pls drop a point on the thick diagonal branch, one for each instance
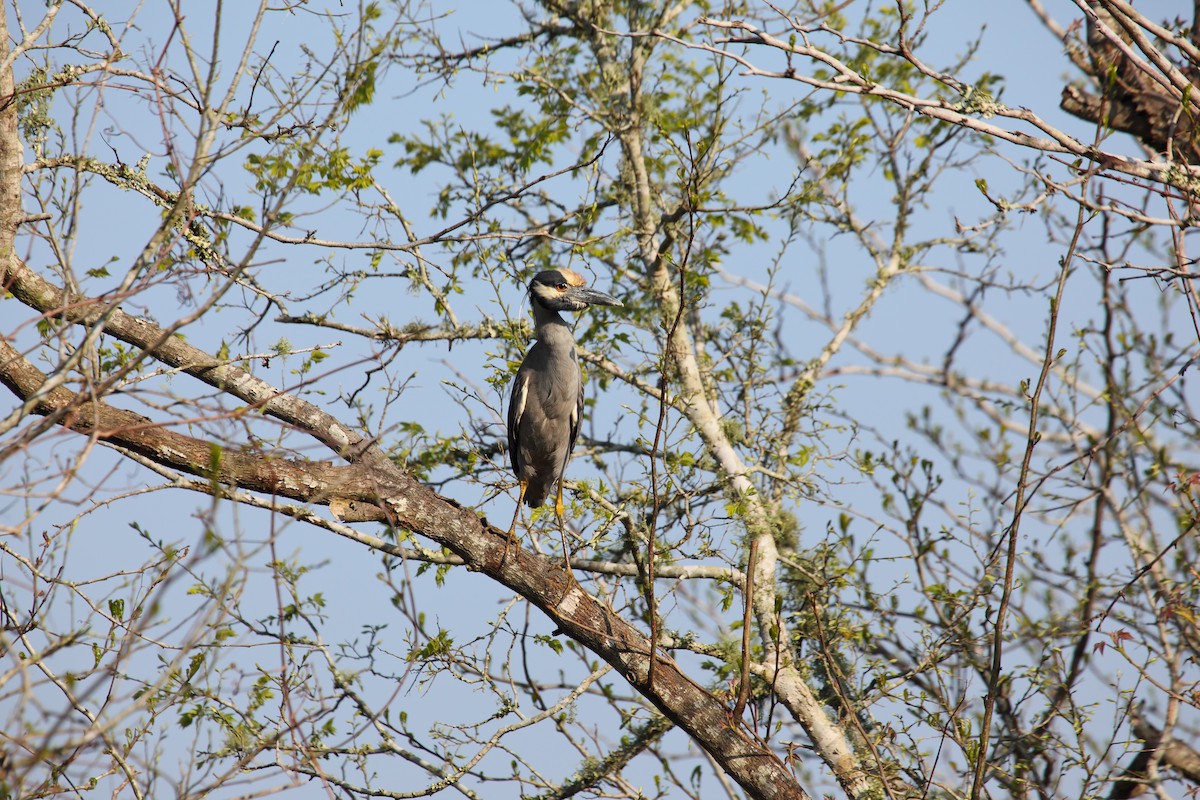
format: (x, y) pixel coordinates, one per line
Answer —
(405, 503)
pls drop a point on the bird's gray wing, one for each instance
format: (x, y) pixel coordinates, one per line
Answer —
(576, 422)
(516, 409)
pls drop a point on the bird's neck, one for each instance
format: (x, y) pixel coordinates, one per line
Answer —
(550, 328)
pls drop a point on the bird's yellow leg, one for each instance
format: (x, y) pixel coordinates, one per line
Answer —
(562, 530)
(513, 528)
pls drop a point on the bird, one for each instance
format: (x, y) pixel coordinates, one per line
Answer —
(545, 405)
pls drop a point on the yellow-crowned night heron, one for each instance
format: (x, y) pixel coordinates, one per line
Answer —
(546, 406)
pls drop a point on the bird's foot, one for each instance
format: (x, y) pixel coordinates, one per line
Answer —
(568, 571)
(508, 542)
(572, 582)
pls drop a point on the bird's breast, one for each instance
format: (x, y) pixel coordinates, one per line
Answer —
(560, 393)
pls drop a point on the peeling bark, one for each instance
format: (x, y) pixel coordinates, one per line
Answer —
(1136, 97)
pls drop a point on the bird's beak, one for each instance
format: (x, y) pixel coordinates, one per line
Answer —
(592, 297)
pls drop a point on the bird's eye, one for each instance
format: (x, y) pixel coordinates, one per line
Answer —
(562, 287)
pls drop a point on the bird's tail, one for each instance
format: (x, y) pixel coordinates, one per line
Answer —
(535, 495)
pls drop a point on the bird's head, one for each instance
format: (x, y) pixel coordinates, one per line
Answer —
(566, 290)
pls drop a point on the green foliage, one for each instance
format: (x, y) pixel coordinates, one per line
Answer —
(435, 648)
(114, 355)
(297, 166)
